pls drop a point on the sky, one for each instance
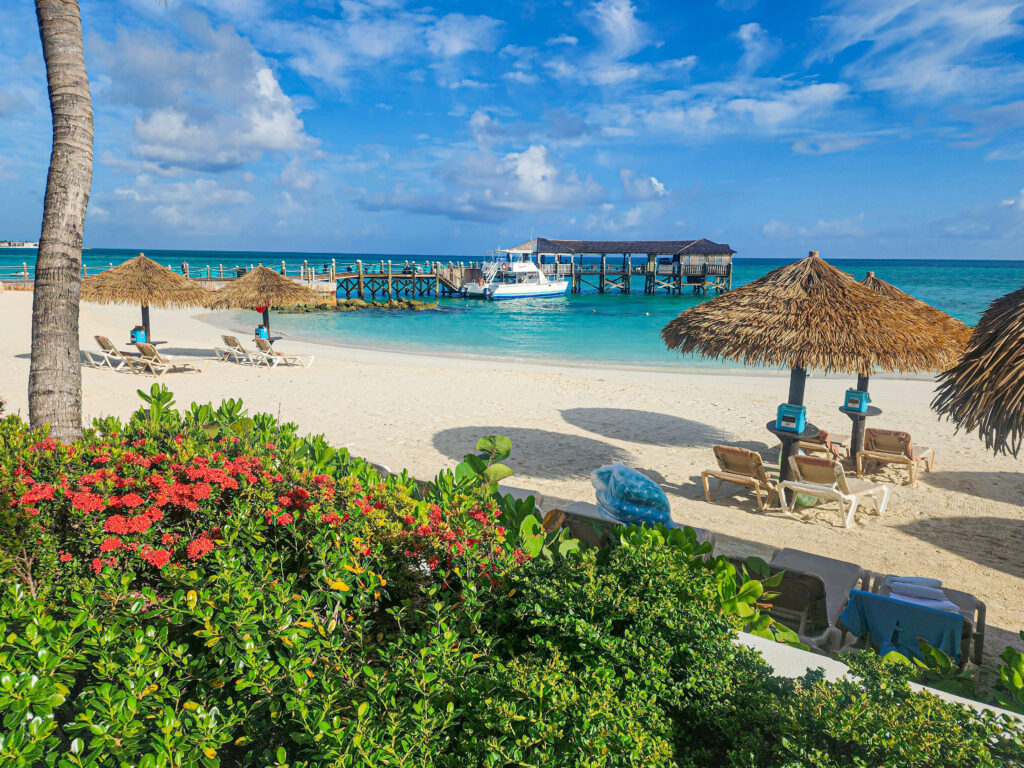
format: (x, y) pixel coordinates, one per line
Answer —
(860, 128)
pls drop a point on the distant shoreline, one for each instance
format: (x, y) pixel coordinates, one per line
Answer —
(228, 322)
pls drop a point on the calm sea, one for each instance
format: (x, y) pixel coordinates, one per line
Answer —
(584, 328)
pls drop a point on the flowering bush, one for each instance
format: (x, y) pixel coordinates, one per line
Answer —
(156, 497)
(210, 589)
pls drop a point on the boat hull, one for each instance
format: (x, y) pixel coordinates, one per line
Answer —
(499, 292)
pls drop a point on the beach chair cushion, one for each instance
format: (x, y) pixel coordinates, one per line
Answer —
(741, 463)
(889, 441)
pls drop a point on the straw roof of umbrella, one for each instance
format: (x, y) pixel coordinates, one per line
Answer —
(263, 287)
(809, 314)
(984, 391)
(960, 332)
(142, 281)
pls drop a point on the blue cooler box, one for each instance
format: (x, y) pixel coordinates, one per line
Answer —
(261, 332)
(138, 335)
(791, 418)
(856, 400)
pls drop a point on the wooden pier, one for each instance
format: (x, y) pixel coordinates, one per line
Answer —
(617, 266)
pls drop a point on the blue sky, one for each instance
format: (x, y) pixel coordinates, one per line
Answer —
(871, 128)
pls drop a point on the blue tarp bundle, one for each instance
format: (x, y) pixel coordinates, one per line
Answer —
(629, 496)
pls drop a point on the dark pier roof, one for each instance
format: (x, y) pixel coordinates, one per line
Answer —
(659, 247)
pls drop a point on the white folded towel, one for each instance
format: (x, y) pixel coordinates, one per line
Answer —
(940, 605)
(921, 581)
(916, 590)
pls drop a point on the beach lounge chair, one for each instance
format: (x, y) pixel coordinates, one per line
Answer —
(740, 467)
(823, 443)
(812, 594)
(587, 523)
(890, 446)
(275, 357)
(888, 624)
(110, 355)
(233, 350)
(970, 607)
(825, 479)
(151, 360)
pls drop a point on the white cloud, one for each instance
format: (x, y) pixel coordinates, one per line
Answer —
(850, 227)
(517, 76)
(202, 205)
(759, 48)
(563, 40)
(787, 106)
(827, 145)
(926, 49)
(745, 106)
(295, 175)
(455, 35)
(641, 187)
(487, 186)
(214, 106)
(616, 25)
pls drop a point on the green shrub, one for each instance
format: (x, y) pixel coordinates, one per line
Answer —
(332, 617)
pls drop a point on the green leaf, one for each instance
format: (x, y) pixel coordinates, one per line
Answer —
(497, 447)
(496, 472)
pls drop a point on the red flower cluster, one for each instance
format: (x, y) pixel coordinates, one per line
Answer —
(199, 547)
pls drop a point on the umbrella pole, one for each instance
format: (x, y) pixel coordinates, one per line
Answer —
(797, 380)
(145, 322)
(266, 320)
(857, 437)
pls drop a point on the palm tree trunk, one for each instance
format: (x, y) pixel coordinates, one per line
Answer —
(55, 375)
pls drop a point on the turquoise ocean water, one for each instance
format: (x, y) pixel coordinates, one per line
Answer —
(585, 328)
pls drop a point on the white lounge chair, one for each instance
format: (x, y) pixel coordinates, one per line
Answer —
(274, 357)
(150, 359)
(233, 350)
(110, 356)
(825, 479)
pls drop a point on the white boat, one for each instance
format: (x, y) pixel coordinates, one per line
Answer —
(17, 244)
(514, 277)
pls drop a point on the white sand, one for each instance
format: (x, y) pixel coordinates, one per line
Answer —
(963, 524)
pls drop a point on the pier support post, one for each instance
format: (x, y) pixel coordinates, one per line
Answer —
(650, 273)
(601, 278)
(389, 280)
(221, 271)
(627, 279)
(359, 273)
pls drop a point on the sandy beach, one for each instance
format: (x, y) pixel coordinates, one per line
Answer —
(963, 524)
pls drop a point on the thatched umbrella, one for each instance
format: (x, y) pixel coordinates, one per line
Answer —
(956, 331)
(142, 281)
(809, 314)
(985, 389)
(262, 288)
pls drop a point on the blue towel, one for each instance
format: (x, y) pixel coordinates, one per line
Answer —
(896, 625)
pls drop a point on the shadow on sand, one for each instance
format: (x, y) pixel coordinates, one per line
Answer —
(551, 454)
(995, 542)
(1007, 487)
(644, 427)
